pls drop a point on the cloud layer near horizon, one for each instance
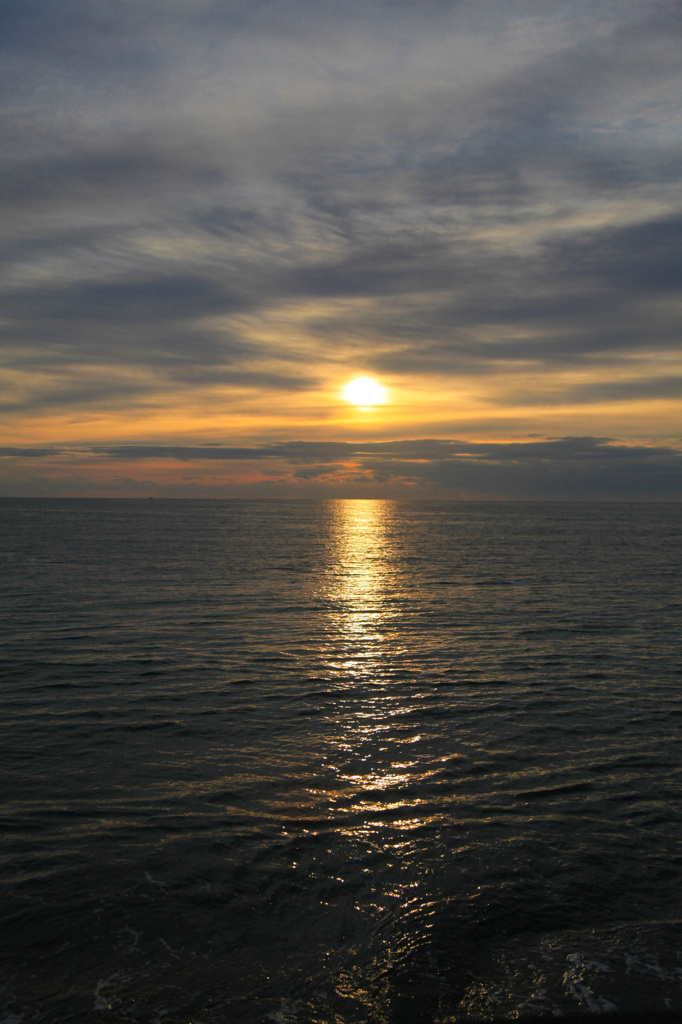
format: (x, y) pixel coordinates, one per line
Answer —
(214, 213)
(562, 468)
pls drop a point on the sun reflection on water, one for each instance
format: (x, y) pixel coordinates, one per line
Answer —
(376, 734)
(359, 583)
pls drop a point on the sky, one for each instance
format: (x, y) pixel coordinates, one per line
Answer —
(216, 213)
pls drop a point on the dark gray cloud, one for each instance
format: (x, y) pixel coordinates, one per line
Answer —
(167, 297)
(413, 450)
(568, 468)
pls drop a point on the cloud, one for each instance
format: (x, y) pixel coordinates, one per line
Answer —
(562, 468)
(268, 195)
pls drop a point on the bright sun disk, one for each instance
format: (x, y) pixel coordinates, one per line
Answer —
(364, 391)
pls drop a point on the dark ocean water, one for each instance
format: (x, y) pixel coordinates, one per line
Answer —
(345, 761)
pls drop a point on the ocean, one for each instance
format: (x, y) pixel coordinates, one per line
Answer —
(339, 761)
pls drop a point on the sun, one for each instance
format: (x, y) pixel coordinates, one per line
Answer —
(364, 391)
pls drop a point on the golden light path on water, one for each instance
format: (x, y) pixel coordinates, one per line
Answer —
(366, 590)
(382, 753)
(358, 581)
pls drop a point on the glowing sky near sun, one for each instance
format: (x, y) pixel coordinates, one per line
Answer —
(218, 215)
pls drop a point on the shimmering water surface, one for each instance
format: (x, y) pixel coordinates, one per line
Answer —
(339, 762)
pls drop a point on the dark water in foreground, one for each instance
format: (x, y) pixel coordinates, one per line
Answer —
(340, 761)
